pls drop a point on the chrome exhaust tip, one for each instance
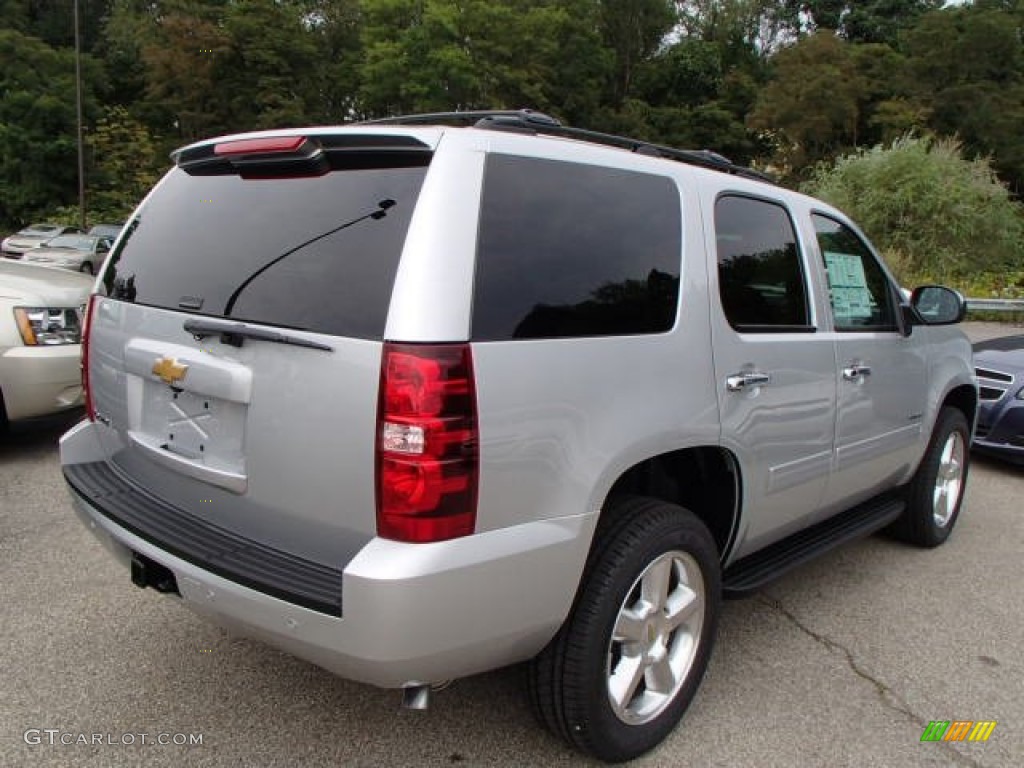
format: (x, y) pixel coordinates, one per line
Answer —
(416, 696)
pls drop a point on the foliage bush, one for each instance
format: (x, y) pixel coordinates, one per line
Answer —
(935, 214)
(994, 285)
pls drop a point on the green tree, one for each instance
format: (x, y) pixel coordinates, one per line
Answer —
(698, 93)
(882, 116)
(761, 24)
(335, 26)
(419, 55)
(38, 147)
(574, 66)
(53, 21)
(866, 21)
(883, 21)
(265, 76)
(131, 25)
(428, 55)
(125, 163)
(965, 73)
(633, 30)
(936, 214)
(179, 57)
(811, 105)
(688, 73)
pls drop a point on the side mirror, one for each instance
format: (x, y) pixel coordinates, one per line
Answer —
(938, 305)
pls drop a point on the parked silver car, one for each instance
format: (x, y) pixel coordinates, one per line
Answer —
(413, 401)
(82, 253)
(32, 237)
(40, 335)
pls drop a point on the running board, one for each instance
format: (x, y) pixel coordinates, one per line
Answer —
(752, 572)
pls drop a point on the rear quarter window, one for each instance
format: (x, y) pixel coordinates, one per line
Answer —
(568, 249)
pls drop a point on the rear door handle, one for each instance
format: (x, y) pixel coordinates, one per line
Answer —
(740, 381)
(856, 371)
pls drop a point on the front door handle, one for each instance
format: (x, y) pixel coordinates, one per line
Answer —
(740, 381)
(856, 371)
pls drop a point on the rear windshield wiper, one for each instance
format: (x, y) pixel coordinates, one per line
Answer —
(234, 333)
(376, 215)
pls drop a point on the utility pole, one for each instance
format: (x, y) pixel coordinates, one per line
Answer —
(78, 109)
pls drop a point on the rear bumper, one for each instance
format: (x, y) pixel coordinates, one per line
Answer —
(39, 380)
(412, 612)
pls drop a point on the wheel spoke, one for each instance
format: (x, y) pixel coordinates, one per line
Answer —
(629, 627)
(947, 451)
(654, 586)
(682, 604)
(624, 680)
(661, 677)
(948, 480)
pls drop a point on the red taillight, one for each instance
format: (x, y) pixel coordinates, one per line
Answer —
(426, 443)
(264, 146)
(90, 411)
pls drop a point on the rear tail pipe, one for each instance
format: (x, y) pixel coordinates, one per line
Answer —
(417, 695)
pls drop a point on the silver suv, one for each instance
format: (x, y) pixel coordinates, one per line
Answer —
(414, 400)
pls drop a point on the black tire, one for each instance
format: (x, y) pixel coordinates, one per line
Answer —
(924, 522)
(569, 680)
(86, 268)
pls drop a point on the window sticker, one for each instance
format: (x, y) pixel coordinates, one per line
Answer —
(851, 297)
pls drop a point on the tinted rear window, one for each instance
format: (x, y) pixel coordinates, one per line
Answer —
(216, 245)
(567, 249)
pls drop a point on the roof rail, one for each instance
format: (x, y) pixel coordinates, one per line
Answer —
(530, 121)
(523, 117)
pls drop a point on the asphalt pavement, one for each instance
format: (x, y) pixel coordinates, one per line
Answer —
(843, 662)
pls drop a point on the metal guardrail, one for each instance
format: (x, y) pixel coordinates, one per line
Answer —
(995, 305)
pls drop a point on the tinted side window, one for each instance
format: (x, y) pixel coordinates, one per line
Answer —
(574, 250)
(760, 277)
(860, 292)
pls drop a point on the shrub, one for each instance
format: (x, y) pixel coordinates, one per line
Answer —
(935, 214)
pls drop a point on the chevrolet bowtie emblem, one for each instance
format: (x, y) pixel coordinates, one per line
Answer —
(170, 370)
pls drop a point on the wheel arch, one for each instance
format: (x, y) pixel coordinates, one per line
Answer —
(964, 398)
(704, 479)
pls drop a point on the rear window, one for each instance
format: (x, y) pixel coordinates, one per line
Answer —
(567, 249)
(317, 253)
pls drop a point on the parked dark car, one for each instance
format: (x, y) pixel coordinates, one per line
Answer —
(999, 365)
